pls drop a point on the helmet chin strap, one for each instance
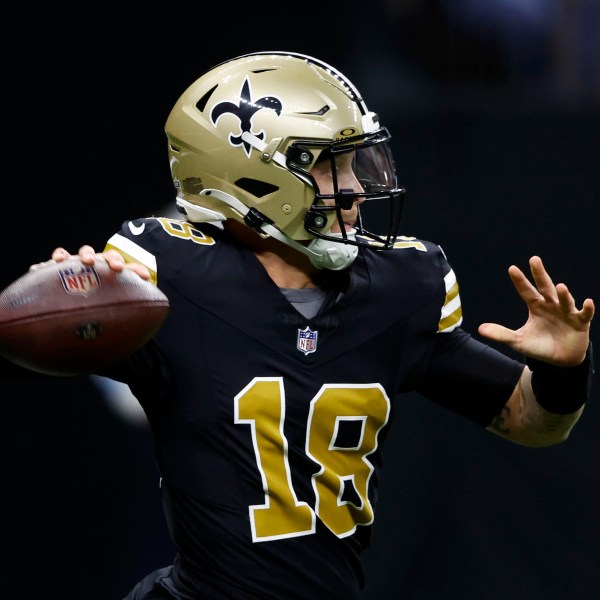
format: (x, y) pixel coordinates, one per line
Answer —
(334, 256)
(323, 254)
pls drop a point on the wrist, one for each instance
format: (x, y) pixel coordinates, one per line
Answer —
(561, 390)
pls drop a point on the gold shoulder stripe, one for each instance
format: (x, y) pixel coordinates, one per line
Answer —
(131, 252)
(451, 315)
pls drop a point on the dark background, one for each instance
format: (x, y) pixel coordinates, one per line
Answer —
(494, 109)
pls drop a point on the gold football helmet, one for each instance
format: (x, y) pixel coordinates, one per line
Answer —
(242, 140)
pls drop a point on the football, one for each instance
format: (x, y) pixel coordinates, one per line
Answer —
(68, 318)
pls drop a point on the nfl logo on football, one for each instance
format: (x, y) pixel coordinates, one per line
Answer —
(81, 281)
(307, 340)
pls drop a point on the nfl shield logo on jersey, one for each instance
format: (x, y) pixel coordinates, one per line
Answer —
(307, 340)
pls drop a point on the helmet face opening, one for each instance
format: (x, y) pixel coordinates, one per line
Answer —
(351, 172)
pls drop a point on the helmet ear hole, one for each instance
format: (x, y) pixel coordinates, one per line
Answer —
(255, 187)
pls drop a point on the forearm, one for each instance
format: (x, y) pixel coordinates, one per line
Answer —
(546, 404)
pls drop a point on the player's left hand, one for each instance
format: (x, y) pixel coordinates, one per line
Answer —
(556, 331)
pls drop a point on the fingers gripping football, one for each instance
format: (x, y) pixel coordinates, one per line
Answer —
(89, 256)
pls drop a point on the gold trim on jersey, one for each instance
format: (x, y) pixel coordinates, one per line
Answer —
(451, 316)
(131, 252)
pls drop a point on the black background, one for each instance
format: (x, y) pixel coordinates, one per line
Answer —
(496, 134)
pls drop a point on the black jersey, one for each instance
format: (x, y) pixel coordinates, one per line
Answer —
(268, 426)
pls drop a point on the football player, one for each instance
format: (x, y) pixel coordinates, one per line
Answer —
(295, 325)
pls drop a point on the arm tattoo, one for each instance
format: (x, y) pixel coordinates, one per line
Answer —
(498, 422)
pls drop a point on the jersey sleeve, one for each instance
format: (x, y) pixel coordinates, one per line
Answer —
(128, 242)
(469, 377)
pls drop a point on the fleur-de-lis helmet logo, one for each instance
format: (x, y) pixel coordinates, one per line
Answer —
(245, 111)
